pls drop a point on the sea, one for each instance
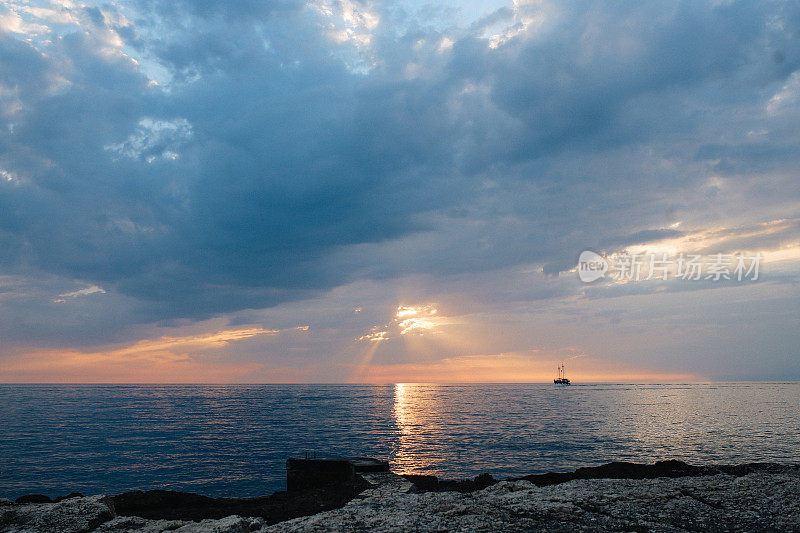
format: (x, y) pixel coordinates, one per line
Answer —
(233, 440)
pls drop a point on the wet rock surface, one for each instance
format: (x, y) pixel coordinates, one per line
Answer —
(668, 496)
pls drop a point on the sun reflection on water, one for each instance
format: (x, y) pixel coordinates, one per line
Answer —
(423, 442)
(402, 413)
(415, 415)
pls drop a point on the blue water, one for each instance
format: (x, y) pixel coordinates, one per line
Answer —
(234, 440)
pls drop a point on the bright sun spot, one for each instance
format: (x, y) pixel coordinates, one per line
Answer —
(415, 319)
(415, 325)
(408, 319)
(419, 310)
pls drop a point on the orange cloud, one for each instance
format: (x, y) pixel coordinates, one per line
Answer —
(165, 359)
(208, 340)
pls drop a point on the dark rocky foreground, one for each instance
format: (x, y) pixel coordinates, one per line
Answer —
(667, 496)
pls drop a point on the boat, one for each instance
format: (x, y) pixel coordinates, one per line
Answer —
(561, 379)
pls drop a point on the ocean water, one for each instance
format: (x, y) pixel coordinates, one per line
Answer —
(234, 439)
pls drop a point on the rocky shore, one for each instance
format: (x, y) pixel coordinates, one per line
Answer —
(667, 496)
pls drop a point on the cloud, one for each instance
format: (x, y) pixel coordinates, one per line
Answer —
(169, 344)
(94, 289)
(197, 159)
(154, 139)
(177, 359)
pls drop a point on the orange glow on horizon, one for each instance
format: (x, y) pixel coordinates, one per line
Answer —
(512, 368)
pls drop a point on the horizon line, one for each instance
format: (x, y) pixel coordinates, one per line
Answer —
(200, 383)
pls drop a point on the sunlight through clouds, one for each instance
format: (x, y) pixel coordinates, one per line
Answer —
(417, 319)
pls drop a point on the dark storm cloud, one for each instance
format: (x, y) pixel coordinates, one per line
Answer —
(273, 163)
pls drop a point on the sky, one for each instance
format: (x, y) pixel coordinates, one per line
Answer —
(347, 191)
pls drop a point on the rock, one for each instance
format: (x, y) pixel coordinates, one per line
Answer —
(368, 464)
(172, 505)
(758, 501)
(484, 480)
(229, 524)
(309, 474)
(140, 525)
(75, 515)
(665, 497)
(423, 482)
(313, 473)
(385, 484)
(33, 498)
(620, 470)
(68, 496)
(167, 504)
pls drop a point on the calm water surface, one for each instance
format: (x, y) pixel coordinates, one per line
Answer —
(234, 440)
